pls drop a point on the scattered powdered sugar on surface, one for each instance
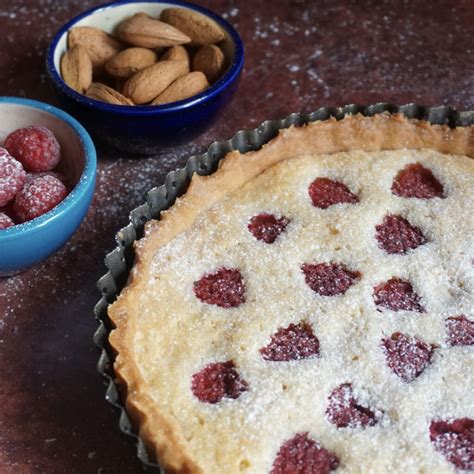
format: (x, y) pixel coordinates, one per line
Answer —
(324, 58)
(231, 14)
(284, 398)
(16, 17)
(60, 275)
(293, 67)
(333, 69)
(56, 298)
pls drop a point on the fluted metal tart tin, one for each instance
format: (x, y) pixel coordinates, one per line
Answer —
(120, 261)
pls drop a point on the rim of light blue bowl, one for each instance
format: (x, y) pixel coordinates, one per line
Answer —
(226, 80)
(86, 179)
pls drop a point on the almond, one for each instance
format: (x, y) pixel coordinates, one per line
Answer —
(105, 93)
(129, 61)
(176, 53)
(200, 28)
(210, 60)
(183, 88)
(100, 46)
(76, 68)
(143, 30)
(150, 82)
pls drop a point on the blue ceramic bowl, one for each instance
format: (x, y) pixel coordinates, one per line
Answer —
(25, 244)
(145, 129)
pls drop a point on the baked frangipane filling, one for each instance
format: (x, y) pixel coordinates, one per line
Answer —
(319, 318)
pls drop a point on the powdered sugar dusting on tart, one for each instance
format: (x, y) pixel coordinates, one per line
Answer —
(178, 334)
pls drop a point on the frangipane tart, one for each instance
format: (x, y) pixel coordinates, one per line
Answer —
(309, 307)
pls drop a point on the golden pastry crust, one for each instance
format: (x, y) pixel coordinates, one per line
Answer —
(162, 433)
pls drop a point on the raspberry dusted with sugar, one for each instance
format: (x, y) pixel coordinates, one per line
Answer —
(302, 455)
(32, 176)
(37, 197)
(397, 235)
(416, 181)
(217, 381)
(398, 295)
(295, 342)
(12, 176)
(455, 441)
(224, 288)
(5, 221)
(329, 279)
(460, 331)
(345, 412)
(267, 227)
(35, 147)
(407, 356)
(325, 192)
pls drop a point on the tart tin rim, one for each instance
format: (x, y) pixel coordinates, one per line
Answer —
(120, 261)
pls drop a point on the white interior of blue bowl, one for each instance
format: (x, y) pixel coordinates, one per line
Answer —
(14, 116)
(108, 19)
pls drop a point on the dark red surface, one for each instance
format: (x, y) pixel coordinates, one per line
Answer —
(299, 56)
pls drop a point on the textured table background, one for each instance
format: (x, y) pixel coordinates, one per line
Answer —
(299, 56)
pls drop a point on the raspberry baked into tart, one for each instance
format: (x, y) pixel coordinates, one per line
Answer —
(309, 307)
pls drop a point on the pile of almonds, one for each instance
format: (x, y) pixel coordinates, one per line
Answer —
(150, 61)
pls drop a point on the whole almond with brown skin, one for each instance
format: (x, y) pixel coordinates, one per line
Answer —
(176, 53)
(143, 30)
(210, 60)
(129, 61)
(150, 82)
(100, 46)
(200, 28)
(105, 93)
(183, 88)
(76, 68)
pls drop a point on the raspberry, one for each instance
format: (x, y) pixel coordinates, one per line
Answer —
(267, 227)
(12, 176)
(35, 147)
(295, 342)
(217, 381)
(38, 197)
(325, 192)
(397, 235)
(344, 411)
(460, 331)
(397, 294)
(416, 181)
(54, 174)
(455, 441)
(407, 356)
(329, 279)
(224, 288)
(301, 455)
(5, 221)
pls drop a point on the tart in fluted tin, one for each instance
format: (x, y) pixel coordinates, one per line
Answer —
(308, 306)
